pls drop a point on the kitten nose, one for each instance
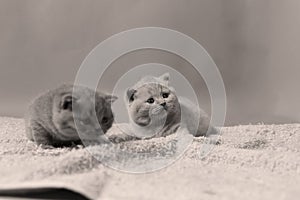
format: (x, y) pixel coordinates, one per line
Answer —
(163, 104)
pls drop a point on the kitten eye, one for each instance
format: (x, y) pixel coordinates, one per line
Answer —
(150, 100)
(104, 120)
(165, 95)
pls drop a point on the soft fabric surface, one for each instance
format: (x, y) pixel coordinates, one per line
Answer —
(248, 162)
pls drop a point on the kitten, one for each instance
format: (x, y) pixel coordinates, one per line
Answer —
(50, 118)
(155, 111)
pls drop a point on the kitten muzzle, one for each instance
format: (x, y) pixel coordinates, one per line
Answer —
(158, 110)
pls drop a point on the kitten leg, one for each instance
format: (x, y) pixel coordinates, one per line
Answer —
(125, 134)
(40, 135)
(122, 138)
(204, 128)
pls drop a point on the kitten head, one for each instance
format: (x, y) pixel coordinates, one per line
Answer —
(161, 80)
(76, 107)
(151, 100)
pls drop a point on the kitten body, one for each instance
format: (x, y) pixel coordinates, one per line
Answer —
(154, 93)
(50, 120)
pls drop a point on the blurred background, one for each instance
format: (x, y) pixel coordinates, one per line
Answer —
(255, 44)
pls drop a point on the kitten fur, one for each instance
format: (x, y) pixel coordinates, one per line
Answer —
(50, 121)
(162, 97)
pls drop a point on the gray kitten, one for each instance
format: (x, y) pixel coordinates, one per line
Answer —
(155, 111)
(50, 117)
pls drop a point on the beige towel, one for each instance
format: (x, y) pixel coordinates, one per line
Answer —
(249, 162)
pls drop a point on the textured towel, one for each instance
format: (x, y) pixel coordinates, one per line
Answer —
(249, 162)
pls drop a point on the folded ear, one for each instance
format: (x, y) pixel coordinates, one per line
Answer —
(110, 98)
(66, 102)
(165, 77)
(130, 94)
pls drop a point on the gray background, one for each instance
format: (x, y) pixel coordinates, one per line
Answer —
(255, 44)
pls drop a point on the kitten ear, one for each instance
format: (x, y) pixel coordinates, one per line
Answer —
(110, 98)
(66, 102)
(165, 77)
(130, 94)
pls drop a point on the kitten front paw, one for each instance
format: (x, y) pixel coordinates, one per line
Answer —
(122, 138)
(46, 146)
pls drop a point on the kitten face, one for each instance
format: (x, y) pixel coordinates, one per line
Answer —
(90, 122)
(152, 101)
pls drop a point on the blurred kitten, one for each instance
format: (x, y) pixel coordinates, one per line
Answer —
(50, 118)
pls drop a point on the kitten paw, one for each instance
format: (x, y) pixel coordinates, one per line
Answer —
(122, 138)
(46, 146)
